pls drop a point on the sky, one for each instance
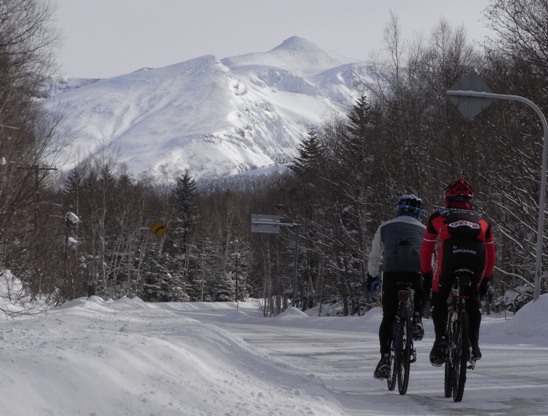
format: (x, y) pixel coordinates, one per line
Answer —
(96, 357)
(105, 38)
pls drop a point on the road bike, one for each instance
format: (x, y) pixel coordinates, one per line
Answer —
(458, 356)
(402, 352)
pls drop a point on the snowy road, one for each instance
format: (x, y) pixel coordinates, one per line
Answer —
(93, 357)
(511, 379)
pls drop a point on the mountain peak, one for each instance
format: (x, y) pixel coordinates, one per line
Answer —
(295, 53)
(296, 43)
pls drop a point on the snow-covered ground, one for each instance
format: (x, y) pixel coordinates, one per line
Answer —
(93, 357)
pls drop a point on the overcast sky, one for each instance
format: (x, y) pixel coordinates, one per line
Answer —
(105, 38)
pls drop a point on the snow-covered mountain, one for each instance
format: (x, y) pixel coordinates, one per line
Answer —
(214, 117)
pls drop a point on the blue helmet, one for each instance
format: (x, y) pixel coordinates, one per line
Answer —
(409, 204)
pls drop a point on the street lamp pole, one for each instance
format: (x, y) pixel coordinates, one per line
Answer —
(295, 264)
(542, 196)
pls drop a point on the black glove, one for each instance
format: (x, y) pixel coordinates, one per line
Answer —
(484, 286)
(369, 281)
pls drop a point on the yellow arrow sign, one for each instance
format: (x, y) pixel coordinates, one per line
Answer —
(158, 229)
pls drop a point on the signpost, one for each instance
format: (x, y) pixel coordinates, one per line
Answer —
(471, 96)
(270, 224)
(267, 224)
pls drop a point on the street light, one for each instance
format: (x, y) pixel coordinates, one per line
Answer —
(473, 79)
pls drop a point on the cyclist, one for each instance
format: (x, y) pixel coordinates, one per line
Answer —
(396, 245)
(465, 239)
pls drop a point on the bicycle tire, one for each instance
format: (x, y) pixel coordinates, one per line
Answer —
(448, 376)
(448, 379)
(391, 380)
(392, 377)
(460, 359)
(404, 362)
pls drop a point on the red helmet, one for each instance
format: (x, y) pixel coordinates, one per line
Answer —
(459, 190)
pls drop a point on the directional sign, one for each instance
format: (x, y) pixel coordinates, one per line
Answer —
(470, 107)
(158, 229)
(268, 224)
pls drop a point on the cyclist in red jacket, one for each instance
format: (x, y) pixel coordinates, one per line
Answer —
(465, 239)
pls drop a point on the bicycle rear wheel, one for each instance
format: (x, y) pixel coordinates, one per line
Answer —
(404, 361)
(391, 380)
(396, 342)
(460, 357)
(448, 378)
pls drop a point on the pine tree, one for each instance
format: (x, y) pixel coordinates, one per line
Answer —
(226, 288)
(308, 163)
(179, 254)
(186, 206)
(72, 189)
(359, 142)
(153, 289)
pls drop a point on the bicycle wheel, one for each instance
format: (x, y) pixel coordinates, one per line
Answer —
(391, 380)
(396, 341)
(404, 362)
(460, 361)
(449, 370)
(448, 380)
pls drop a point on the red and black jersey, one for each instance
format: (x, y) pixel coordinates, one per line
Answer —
(465, 239)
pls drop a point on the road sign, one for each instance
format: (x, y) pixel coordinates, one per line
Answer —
(468, 106)
(268, 224)
(158, 229)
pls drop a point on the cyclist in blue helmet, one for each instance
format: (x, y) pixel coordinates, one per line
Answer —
(396, 251)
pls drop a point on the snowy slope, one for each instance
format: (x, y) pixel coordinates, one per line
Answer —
(213, 117)
(93, 357)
